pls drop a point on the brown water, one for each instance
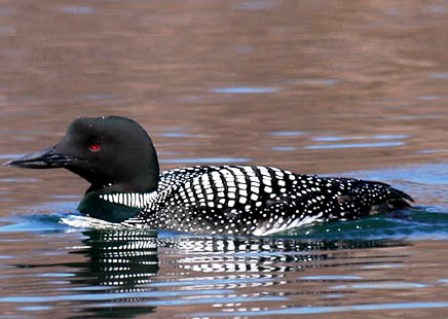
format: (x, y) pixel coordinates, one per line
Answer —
(334, 87)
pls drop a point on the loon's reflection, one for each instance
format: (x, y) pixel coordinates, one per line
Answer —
(122, 262)
(275, 256)
(120, 258)
(122, 267)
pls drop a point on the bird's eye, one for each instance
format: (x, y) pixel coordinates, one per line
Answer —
(95, 147)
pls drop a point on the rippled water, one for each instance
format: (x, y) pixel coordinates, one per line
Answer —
(339, 88)
(357, 269)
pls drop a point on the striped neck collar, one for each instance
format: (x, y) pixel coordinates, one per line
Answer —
(136, 200)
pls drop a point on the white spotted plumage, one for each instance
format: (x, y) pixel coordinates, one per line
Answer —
(243, 200)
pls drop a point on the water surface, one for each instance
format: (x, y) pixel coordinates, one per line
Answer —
(338, 88)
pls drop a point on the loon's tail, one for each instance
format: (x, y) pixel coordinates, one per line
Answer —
(379, 197)
(397, 200)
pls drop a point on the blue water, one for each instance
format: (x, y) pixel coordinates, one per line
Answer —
(417, 223)
(118, 272)
(245, 90)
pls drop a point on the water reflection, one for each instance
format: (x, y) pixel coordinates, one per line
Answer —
(115, 268)
(120, 258)
(355, 145)
(121, 262)
(340, 142)
(125, 273)
(439, 76)
(237, 263)
(246, 90)
(77, 10)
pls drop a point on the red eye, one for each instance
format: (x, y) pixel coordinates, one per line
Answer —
(95, 147)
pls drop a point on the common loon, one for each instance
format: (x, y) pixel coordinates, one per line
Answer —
(117, 157)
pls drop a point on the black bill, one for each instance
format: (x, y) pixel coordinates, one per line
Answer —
(47, 158)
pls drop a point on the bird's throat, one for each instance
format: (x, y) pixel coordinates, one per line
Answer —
(92, 205)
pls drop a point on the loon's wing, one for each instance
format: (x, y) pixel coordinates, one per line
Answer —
(181, 175)
(260, 200)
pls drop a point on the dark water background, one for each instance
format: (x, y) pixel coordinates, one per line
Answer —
(356, 88)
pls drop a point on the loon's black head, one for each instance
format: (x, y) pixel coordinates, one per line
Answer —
(112, 153)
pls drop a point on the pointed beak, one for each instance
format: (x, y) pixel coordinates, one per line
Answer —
(47, 158)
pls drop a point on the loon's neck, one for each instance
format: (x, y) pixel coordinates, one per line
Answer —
(96, 206)
(114, 202)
